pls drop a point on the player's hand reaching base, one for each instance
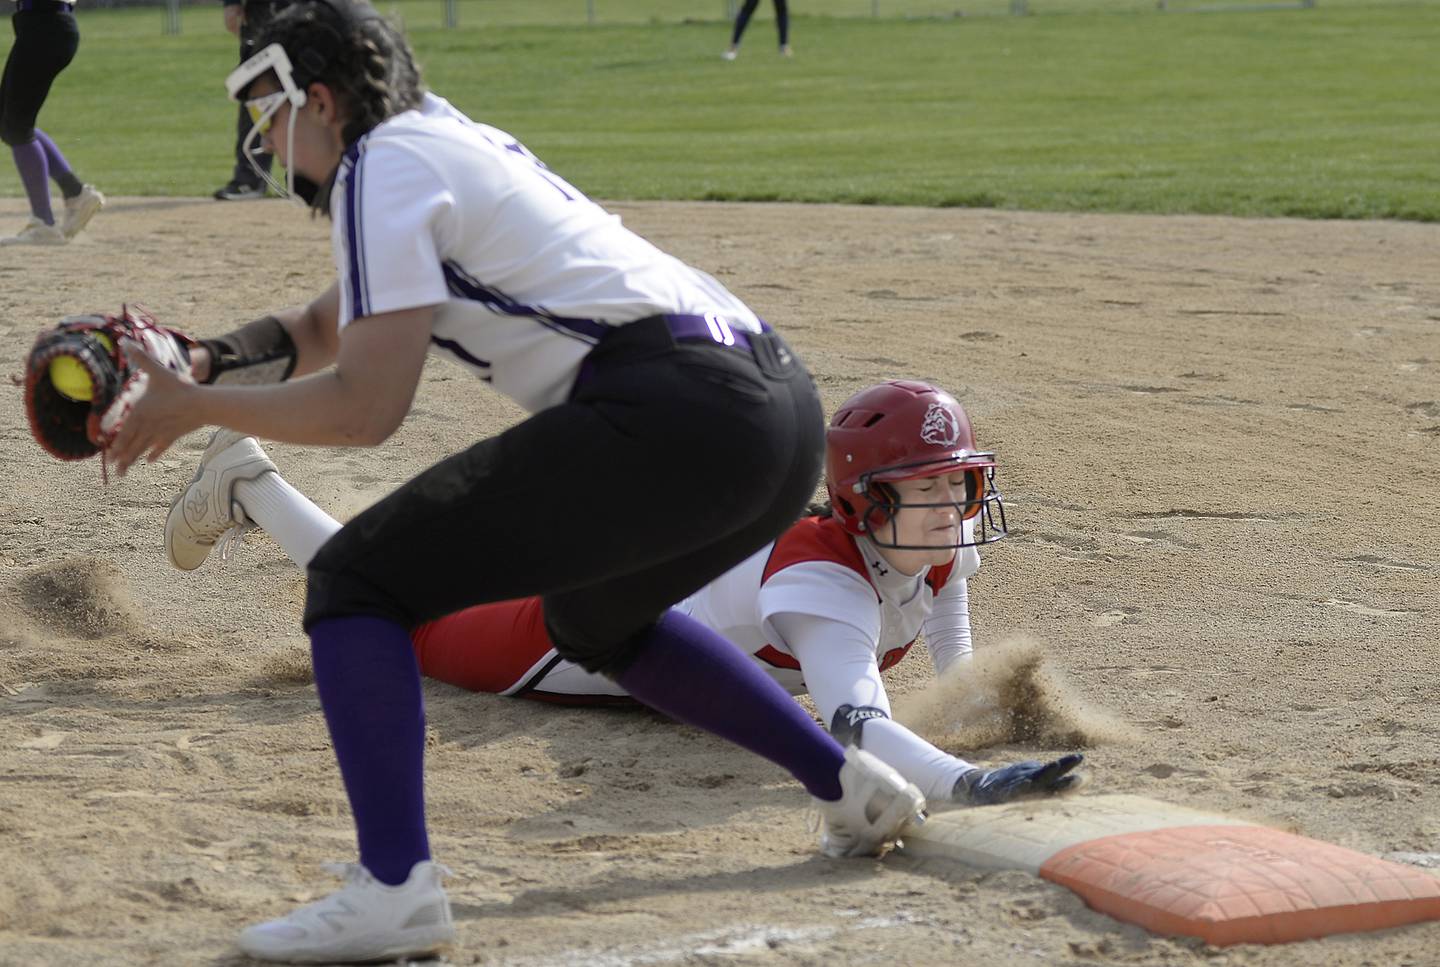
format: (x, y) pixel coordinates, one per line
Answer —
(1022, 780)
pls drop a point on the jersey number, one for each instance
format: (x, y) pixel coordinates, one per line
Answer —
(555, 181)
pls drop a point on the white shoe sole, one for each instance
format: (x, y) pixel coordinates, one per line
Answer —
(363, 923)
(417, 942)
(43, 240)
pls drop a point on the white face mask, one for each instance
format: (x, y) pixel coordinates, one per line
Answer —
(272, 59)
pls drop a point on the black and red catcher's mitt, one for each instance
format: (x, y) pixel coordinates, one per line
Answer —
(69, 426)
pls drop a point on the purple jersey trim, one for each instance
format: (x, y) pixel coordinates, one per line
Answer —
(359, 298)
(462, 353)
(462, 285)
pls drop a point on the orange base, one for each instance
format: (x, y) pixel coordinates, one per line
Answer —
(1242, 884)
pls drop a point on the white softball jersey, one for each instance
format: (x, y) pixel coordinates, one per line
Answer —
(526, 273)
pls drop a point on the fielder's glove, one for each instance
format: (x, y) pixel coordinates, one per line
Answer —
(78, 385)
(1023, 780)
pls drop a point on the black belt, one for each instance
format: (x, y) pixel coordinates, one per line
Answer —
(44, 6)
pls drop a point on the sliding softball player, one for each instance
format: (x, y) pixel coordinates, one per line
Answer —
(836, 600)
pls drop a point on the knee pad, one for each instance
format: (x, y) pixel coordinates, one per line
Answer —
(592, 651)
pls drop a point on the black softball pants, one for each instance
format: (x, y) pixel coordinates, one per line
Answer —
(782, 21)
(46, 38)
(672, 462)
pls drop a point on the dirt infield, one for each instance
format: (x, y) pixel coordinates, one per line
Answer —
(1218, 442)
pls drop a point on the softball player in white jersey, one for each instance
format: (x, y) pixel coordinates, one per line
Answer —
(642, 375)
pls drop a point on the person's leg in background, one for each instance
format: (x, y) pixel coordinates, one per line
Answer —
(742, 20)
(245, 183)
(82, 201)
(782, 24)
(45, 43)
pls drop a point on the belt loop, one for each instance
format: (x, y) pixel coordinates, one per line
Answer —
(712, 328)
(720, 330)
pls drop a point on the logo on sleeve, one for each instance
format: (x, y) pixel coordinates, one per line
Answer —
(849, 721)
(854, 716)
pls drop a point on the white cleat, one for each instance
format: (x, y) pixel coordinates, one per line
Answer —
(80, 209)
(36, 232)
(875, 804)
(364, 921)
(206, 510)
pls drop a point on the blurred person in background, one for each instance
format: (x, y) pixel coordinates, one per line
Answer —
(245, 19)
(782, 24)
(46, 38)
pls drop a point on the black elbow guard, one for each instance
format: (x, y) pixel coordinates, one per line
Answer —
(849, 722)
(258, 352)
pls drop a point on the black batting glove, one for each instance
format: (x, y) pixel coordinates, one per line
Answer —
(1023, 780)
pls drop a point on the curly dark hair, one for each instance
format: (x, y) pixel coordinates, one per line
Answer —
(357, 53)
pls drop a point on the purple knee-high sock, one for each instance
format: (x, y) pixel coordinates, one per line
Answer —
(697, 676)
(70, 185)
(369, 689)
(35, 176)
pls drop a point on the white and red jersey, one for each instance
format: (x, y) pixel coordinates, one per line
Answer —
(816, 568)
(846, 615)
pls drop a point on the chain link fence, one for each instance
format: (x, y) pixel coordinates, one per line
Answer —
(575, 12)
(606, 12)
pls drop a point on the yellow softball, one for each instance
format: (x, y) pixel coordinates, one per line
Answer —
(71, 378)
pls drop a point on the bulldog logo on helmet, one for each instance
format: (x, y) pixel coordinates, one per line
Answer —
(906, 430)
(940, 427)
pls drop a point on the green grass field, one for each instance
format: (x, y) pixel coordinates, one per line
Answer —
(1327, 112)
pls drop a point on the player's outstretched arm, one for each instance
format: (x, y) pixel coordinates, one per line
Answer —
(358, 403)
(839, 664)
(947, 626)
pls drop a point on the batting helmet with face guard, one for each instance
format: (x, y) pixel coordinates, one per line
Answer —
(905, 430)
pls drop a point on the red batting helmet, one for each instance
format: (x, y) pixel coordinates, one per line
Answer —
(904, 430)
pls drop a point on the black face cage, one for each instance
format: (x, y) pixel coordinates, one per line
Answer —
(987, 522)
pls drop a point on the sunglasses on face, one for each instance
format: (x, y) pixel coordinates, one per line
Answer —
(262, 109)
